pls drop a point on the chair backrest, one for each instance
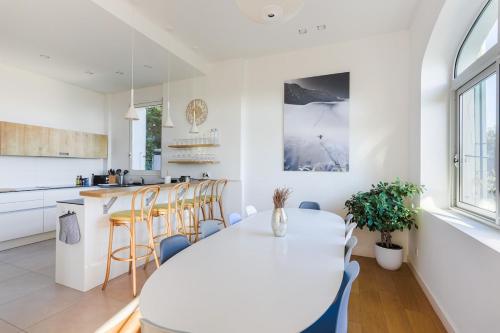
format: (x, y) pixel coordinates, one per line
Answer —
(341, 304)
(149, 327)
(309, 205)
(348, 218)
(251, 210)
(143, 200)
(335, 318)
(349, 246)
(201, 195)
(349, 230)
(217, 188)
(171, 246)
(176, 203)
(234, 218)
(208, 228)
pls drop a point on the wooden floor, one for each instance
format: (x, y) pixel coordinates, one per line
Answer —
(386, 301)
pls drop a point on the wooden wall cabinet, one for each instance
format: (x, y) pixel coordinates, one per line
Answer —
(28, 140)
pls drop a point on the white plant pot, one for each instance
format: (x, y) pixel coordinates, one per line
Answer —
(390, 259)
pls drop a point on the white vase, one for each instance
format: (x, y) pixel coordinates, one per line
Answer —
(279, 222)
(390, 259)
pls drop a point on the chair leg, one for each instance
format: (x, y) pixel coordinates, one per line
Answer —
(130, 257)
(110, 249)
(152, 244)
(133, 256)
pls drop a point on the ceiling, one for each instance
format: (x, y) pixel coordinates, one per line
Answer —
(82, 38)
(219, 31)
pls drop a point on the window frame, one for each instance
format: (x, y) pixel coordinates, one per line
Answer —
(135, 172)
(483, 67)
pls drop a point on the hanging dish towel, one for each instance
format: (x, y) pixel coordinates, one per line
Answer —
(69, 230)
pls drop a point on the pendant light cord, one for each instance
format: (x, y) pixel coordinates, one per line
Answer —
(132, 62)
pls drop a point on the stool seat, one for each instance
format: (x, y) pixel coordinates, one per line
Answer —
(125, 215)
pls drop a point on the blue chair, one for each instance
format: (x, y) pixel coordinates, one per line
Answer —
(170, 246)
(234, 218)
(208, 228)
(349, 246)
(335, 318)
(309, 205)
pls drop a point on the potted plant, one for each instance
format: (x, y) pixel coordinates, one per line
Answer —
(386, 207)
(279, 218)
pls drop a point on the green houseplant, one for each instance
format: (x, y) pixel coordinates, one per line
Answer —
(386, 208)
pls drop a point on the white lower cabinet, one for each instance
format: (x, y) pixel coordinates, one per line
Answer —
(21, 223)
(49, 219)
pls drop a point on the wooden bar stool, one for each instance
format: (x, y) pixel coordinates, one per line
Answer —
(196, 206)
(215, 199)
(128, 218)
(173, 208)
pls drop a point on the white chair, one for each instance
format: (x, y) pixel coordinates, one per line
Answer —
(251, 210)
(348, 218)
(349, 230)
(349, 246)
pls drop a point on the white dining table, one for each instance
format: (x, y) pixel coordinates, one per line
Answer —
(243, 279)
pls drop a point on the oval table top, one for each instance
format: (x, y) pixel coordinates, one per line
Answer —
(243, 279)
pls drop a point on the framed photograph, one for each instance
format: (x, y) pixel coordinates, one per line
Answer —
(316, 123)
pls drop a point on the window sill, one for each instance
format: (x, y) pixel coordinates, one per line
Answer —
(488, 235)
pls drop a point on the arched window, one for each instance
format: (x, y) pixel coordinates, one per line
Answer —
(477, 117)
(481, 38)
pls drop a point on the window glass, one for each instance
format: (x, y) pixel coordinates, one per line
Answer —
(482, 37)
(146, 139)
(478, 131)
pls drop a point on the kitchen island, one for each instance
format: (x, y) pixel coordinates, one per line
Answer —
(82, 265)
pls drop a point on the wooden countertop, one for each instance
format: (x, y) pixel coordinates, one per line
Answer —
(122, 191)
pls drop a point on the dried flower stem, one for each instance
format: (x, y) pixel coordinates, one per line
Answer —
(280, 197)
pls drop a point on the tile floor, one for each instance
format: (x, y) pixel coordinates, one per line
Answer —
(30, 300)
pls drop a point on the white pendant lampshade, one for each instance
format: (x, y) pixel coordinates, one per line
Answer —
(132, 113)
(168, 120)
(194, 127)
(270, 11)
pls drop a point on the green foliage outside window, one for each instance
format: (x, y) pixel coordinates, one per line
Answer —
(153, 133)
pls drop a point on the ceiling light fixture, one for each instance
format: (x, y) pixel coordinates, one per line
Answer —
(132, 113)
(270, 11)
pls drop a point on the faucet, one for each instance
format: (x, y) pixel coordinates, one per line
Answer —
(142, 180)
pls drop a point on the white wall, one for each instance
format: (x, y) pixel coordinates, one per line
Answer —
(36, 100)
(459, 272)
(379, 110)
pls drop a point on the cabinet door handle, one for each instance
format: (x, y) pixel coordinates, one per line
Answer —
(63, 154)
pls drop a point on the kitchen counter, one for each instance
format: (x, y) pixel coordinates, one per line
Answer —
(78, 202)
(118, 191)
(38, 188)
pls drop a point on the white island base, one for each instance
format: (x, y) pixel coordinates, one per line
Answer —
(82, 266)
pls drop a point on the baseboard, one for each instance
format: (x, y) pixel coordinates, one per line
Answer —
(10, 244)
(446, 323)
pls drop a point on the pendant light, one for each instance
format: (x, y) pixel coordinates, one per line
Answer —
(194, 127)
(168, 120)
(132, 113)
